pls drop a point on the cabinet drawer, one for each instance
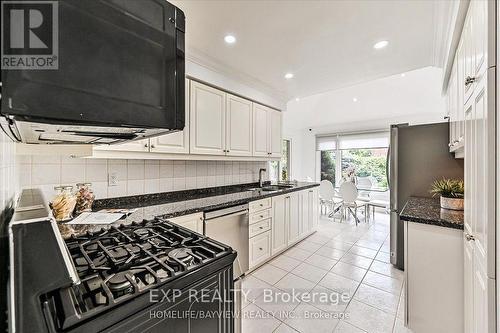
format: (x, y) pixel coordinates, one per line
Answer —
(255, 206)
(259, 227)
(259, 216)
(260, 248)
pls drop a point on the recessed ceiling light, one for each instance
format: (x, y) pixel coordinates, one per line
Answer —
(354, 99)
(297, 99)
(230, 39)
(288, 76)
(381, 44)
(403, 75)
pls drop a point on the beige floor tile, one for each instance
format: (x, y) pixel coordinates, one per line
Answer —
(328, 252)
(384, 257)
(345, 327)
(256, 320)
(380, 299)
(308, 246)
(308, 319)
(349, 271)
(386, 269)
(336, 244)
(369, 318)
(309, 272)
(269, 273)
(284, 262)
(383, 282)
(363, 251)
(339, 284)
(321, 261)
(252, 288)
(277, 302)
(293, 282)
(356, 260)
(284, 328)
(297, 253)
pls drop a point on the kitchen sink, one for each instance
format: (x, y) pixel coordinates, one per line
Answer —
(270, 188)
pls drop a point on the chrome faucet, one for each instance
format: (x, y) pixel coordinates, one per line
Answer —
(260, 176)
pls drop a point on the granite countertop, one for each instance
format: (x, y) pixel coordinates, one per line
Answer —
(429, 211)
(178, 203)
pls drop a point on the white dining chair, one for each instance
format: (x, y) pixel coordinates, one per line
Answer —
(364, 183)
(349, 194)
(328, 197)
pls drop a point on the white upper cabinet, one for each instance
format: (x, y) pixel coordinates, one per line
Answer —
(275, 141)
(260, 130)
(267, 131)
(238, 126)
(208, 120)
(217, 123)
(177, 142)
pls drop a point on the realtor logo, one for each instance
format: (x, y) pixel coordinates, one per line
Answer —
(30, 35)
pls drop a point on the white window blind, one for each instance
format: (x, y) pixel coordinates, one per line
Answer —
(364, 140)
(326, 143)
(378, 139)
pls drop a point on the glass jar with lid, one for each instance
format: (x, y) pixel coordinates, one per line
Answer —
(84, 198)
(63, 203)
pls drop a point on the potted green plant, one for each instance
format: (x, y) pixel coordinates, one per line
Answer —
(451, 192)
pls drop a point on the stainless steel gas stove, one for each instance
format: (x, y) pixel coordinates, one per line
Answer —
(146, 276)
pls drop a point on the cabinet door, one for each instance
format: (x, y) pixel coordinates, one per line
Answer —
(480, 35)
(275, 137)
(259, 248)
(280, 217)
(468, 286)
(193, 222)
(138, 145)
(239, 126)
(304, 213)
(460, 91)
(208, 120)
(294, 220)
(177, 142)
(260, 130)
(468, 56)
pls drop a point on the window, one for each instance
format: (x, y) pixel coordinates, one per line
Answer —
(358, 157)
(328, 165)
(280, 170)
(366, 165)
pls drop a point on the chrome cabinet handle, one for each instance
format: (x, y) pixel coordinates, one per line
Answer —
(469, 237)
(469, 80)
(152, 146)
(146, 145)
(261, 227)
(260, 249)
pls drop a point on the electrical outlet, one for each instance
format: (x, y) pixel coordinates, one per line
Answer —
(112, 179)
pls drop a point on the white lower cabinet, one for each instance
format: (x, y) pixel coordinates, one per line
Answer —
(279, 222)
(293, 218)
(193, 222)
(434, 275)
(280, 218)
(259, 248)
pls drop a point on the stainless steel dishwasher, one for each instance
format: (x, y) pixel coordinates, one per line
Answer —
(230, 226)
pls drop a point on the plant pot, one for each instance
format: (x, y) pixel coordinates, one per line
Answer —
(452, 203)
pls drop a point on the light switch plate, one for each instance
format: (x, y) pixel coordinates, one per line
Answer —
(112, 179)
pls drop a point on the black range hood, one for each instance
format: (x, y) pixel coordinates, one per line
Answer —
(120, 76)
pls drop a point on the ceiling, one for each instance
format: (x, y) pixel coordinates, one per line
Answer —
(326, 44)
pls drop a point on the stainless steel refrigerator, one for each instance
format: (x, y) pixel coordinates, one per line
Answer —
(417, 156)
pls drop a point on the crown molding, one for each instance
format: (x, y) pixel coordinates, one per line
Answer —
(201, 59)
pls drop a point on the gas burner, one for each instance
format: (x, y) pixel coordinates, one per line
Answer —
(181, 254)
(124, 261)
(120, 285)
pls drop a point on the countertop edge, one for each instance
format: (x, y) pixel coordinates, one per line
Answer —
(439, 222)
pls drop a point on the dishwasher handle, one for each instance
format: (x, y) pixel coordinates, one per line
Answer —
(226, 212)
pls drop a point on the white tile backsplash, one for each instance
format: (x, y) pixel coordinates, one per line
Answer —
(133, 176)
(9, 173)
